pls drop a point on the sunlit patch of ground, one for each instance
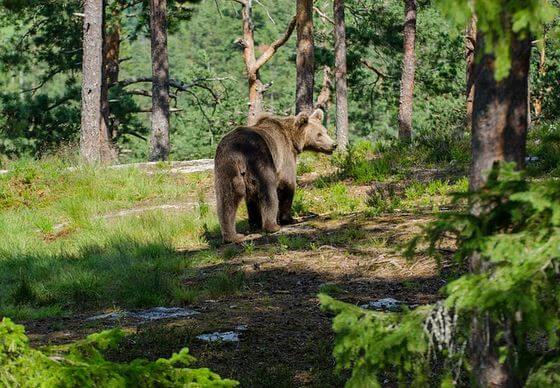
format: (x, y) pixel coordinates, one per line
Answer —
(130, 254)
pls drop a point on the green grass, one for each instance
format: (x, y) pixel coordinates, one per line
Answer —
(334, 199)
(58, 255)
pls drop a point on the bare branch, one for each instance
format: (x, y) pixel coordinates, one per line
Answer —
(241, 42)
(379, 73)
(265, 57)
(264, 87)
(149, 110)
(139, 92)
(136, 134)
(323, 15)
(266, 10)
(180, 85)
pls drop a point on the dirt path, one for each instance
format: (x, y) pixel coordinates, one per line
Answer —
(284, 337)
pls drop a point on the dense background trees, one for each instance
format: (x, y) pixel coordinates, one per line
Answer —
(41, 72)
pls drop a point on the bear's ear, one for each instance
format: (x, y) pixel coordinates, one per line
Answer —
(301, 119)
(318, 115)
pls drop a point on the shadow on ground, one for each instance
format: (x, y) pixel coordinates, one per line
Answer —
(288, 341)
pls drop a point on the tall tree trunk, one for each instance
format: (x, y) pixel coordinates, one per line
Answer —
(499, 134)
(408, 70)
(305, 59)
(469, 53)
(340, 75)
(94, 141)
(159, 140)
(500, 112)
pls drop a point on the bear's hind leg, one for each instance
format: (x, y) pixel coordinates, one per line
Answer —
(285, 199)
(227, 204)
(269, 209)
(254, 211)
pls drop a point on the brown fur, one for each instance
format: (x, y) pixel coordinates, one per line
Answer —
(258, 164)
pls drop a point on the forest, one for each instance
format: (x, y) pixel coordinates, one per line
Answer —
(424, 251)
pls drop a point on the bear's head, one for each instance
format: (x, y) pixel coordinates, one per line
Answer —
(311, 135)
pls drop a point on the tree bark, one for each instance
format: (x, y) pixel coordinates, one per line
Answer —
(324, 98)
(340, 76)
(253, 64)
(500, 121)
(159, 140)
(539, 96)
(305, 59)
(408, 70)
(469, 53)
(500, 112)
(111, 66)
(94, 141)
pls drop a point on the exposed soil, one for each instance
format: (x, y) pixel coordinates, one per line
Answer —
(288, 341)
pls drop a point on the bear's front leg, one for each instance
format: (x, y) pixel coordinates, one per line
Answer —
(285, 199)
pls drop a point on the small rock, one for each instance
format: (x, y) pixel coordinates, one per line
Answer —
(152, 314)
(227, 336)
(385, 304)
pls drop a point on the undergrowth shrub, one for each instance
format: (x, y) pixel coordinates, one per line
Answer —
(365, 162)
(517, 238)
(544, 149)
(82, 364)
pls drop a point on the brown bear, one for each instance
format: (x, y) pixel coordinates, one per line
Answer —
(258, 163)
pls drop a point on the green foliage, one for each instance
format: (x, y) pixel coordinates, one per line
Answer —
(544, 145)
(500, 21)
(82, 364)
(379, 345)
(515, 235)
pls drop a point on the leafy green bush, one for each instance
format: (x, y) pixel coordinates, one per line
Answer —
(82, 364)
(544, 145)
(517, 238)
(363, 164)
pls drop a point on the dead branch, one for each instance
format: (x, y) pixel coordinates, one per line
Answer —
(266, 10)
(265, 57)
(149, 110)
(323, 15)
(325, 94)
(264, 87)
(140, 92)
(379, 73)
(180, 85)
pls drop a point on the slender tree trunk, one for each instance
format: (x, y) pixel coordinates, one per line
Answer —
(94, 142)
(324, 98)
(305, 59)
(112, 43)
(470, 47)
(408, 70)
(538, 97)
(159, 140)
(499, 134)
(340, 75)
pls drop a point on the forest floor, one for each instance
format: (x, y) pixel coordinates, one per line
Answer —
(262, 294)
